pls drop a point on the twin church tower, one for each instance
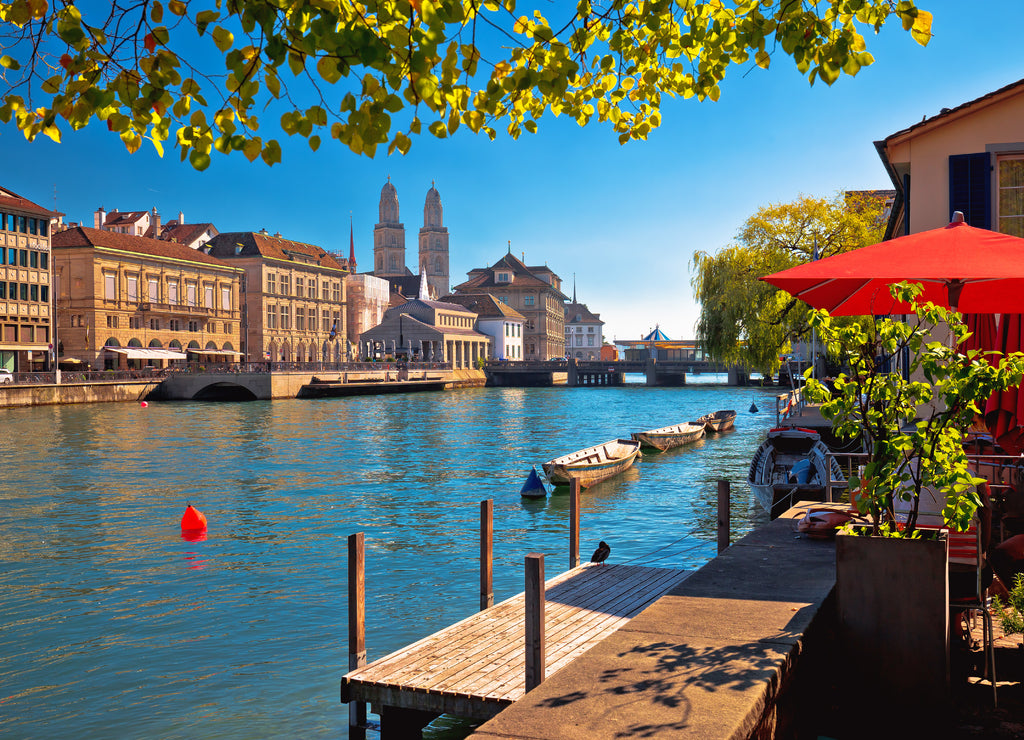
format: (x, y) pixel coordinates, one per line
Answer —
(389, 241)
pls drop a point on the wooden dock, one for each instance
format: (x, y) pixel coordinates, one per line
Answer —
(476, 668)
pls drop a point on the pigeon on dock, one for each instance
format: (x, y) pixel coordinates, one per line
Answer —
(601, 553)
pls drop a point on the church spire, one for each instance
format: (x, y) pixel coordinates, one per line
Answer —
(424, 291)
(574, 287)
(351, 246)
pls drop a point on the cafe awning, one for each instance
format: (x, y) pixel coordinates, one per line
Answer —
(147, 353)
(215, 352)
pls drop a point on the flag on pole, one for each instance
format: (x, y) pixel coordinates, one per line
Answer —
(334, 330)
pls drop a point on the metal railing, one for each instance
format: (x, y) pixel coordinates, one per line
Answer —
(789, 404)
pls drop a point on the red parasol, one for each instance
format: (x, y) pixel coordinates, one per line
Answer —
(961, 267)
(1004, 411)
(983, 337)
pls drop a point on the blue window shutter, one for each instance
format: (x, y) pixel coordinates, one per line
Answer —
(970, 188)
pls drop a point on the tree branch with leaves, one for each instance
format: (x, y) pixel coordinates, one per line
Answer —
(199, 73)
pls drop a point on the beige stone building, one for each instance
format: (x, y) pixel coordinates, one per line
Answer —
(294, 297)
(428, 331)
(535, 292)
(25, 310)
(969, 158)
(366, 299)
(130, 301)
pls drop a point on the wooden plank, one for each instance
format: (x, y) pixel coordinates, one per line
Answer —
(478, 664)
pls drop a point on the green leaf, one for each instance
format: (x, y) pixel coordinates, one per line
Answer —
(223, 38)
(8, 62)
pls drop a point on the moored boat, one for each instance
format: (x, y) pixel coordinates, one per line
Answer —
(668, 437)
(594, 464)
(718, 421)
(534, 487)
(792, 464)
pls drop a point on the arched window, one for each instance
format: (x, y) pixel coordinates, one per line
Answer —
(393, 263)
(175, 344)
(111, 343)
(155, 343)
(134, 343)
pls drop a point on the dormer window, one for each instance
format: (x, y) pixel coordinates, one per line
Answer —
(503, 277)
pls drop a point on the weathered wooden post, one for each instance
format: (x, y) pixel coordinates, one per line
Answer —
(723, 515)
(486, 553)
(574, 523)
(356, 628)
(535, 652)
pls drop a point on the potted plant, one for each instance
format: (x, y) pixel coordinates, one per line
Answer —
(910, 397)
(1011, 613)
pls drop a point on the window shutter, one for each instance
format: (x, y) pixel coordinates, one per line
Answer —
(970, 188)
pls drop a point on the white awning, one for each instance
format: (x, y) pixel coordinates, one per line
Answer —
(223, 352)
(147, 353)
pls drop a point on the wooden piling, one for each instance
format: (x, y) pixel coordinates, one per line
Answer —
(723, 515)
(534, 598)
(486, 553)
(574, 523)
(356, 628)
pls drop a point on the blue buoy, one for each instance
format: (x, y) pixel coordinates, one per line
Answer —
(753, 407)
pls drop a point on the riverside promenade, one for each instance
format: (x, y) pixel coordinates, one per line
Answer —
(733, 651)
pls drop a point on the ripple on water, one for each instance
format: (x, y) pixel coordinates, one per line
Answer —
(114, 626)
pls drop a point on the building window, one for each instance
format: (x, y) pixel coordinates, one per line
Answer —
(134, 322)
(286, 285)
(225, 299)
(527, 300)
(312, 288)
(154, 324)
(271, 317)
(208, 297)
(300, 287)
(336, 292)
(502, 277)
(43, 228)
(326, 325)
(33, 259)
(44, 293)
(154, 290)
(44, 261)
(503, 299)
(190, 294)
(172, 292)
(34, 292)
(590, 341)
(300, 317)
(193, 326)
(174, 325)
(3, 293)
(109, 287)
(22, 224)
(133, 289)
(111, 322)
(1011, 195)
(13, 291)
(271, 283)
(23, 258)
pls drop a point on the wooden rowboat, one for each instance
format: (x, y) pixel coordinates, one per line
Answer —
(593, 464)
(668, 437)
(719, 421)
(792, 464)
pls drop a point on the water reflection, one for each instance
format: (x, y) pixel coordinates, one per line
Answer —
(114, 625)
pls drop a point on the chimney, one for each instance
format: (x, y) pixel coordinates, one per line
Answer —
(156, 224)
(181, 218)
(98, 218)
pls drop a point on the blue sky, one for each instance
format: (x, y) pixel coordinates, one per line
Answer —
(625, 220)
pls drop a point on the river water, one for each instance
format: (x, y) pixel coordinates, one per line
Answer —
(112, 625)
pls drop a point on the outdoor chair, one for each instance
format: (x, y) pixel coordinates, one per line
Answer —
(966, 550)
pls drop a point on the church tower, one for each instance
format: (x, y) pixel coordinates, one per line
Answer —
(389, 236)
(434, 244)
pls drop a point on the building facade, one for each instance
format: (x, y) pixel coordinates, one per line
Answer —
(969, 158)
(430, 331)
(502, 323)
(366, 300)
(130, 301)
(535, 292)
(25, 300)
(389, 245)
(583, 332)
(293, 297)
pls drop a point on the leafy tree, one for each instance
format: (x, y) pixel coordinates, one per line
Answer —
(746, 321)
(198, 72)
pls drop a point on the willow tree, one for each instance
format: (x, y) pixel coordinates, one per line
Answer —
(200, 73)
(746, 321)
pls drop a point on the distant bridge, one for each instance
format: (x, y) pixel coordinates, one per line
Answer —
(575, 372)
(264, 381)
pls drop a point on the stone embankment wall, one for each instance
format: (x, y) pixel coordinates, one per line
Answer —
(48, 395)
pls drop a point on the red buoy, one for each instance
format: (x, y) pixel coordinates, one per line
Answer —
(144, 404)
(193, 519)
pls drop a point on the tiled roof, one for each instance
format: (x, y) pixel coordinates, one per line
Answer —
(273, 247)
(117, 218)
(82, 236)
(522, 277)
(580, 309)
(484, 305)
(948, 112)
(184, 233)
(10, 199)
